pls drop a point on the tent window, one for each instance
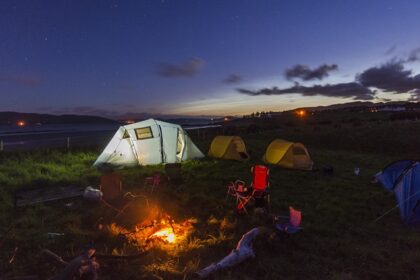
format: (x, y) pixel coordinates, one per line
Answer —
(144, 133)
(126, 135)
(298, 151)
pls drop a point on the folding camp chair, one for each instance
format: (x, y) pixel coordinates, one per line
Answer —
(293, 225)
(260, 186)
(242, 193)
(153, 181)
(111, 186)
(257, 192)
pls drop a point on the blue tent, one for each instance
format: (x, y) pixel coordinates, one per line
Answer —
(403, 178)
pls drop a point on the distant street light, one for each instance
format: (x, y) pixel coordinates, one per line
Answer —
(301, 113)
(21, 123)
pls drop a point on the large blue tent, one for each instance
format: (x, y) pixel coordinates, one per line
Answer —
(403, 178)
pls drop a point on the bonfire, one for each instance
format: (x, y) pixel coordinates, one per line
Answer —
(156, 233)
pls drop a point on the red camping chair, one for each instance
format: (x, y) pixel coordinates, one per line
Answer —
(260, 186)
(257, 192)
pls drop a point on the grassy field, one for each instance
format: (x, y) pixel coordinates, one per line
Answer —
(339, 240)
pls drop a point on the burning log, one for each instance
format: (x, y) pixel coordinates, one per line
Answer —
(163, 231)
(242, 252)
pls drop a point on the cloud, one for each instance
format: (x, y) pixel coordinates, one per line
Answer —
(414, 55)
(415, 97)
(305, 73)
(383, 99)
(25, 81)
(187, 69)
(390, 77)
(391, 50)
(233, 79)
(352, 90)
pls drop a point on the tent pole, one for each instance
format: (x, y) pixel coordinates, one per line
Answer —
(396, 206)
(386, 213)
(161, 145)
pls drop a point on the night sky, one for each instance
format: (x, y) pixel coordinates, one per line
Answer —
(205, 57)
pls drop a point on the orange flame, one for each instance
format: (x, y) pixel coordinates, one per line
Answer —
(166, 234)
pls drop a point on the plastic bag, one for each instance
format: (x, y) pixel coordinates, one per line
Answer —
(92, 194)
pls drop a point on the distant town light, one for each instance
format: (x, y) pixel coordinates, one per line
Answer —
(301, 113)
(226, 118)
(21, 123)
(129, 121)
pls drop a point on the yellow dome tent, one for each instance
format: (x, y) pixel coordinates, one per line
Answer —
(288, 154)
(228, 147)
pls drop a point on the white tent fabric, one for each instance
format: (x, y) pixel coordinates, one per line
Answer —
(148, 142)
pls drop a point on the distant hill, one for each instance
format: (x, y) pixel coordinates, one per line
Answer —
(168, 117)
(360, 104)
(32, 118)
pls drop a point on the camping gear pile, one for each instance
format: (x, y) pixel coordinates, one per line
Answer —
(293, 225)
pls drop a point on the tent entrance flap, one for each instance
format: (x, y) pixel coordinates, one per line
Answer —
(180, 145)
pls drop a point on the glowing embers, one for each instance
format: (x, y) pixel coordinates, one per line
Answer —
(163, 233)
(166, 231)
(166, 234)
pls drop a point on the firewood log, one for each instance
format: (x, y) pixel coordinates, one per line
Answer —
(242, 252)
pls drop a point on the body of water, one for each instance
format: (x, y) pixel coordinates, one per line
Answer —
(54, 135)
(61, 135)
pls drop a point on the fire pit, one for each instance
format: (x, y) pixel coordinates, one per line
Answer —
(155, 233)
